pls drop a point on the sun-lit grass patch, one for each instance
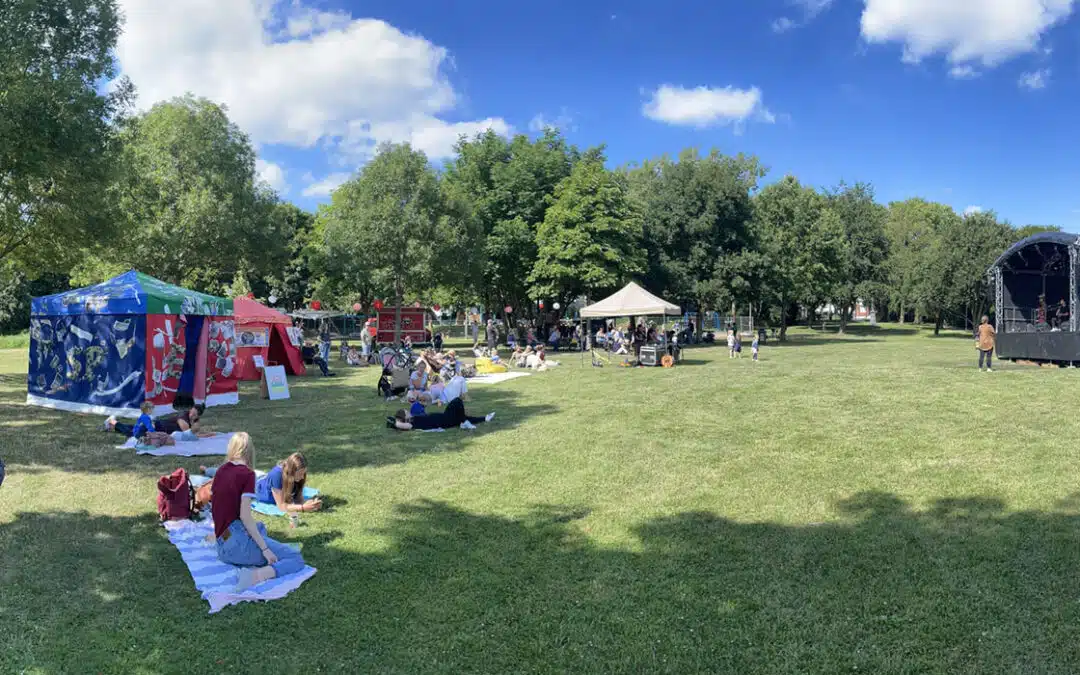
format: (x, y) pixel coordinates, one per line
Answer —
(865, 502)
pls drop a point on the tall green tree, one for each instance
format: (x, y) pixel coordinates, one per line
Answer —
(956, 281)
(382, 225)
(193, 210)
(498, 193)
(697, 214)
(57, 128)
(912, 228)
(861, 273)
(590, 240)
(803, 243)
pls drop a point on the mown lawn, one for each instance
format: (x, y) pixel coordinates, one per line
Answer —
(868, 503)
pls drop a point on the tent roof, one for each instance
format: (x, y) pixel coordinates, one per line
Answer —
(249, 311)
(632, 300)
(1058, 238)
(131, 293)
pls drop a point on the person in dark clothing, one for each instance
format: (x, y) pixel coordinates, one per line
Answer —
(183, 421)
(1, 472)
(453, 416)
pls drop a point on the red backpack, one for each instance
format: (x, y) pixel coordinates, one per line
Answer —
(176, 496)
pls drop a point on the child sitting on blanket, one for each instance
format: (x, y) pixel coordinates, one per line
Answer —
(282, 486)
(240, 540)
(143, 426)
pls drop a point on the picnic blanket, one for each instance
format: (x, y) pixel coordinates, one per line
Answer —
(261, 507)
(495, 378)
(217, 580)
(215, 445)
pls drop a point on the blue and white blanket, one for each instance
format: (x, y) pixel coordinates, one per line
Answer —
(217, 580)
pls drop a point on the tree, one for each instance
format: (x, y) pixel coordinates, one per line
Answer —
(912, 227)
(966, 249)
(1028, 230)
(498, 192)
(382, 224)
(56, 156)
(590, 240)
(697, 216)
(194, 212)
(295, 282)
(802, 242)
(861, 273)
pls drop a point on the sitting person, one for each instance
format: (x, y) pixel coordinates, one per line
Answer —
(188, 420)
(453, 416)
(418, 380)
(143, 426)
(451, 366)
(386, 387)
(308, 353)
(343, 350)
(554, 338)
(418, 403)
(240, 539)
(353, 358)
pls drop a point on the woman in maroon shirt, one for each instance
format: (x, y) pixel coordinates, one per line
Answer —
(241, 540)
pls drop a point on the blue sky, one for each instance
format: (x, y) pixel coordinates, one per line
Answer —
(964, 102)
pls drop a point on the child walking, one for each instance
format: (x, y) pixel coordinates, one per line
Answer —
(731, 344)
(738, 346)
(754, 348)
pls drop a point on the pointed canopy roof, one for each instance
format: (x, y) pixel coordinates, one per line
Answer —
(632, 300)
(249, 311)
(131, 293)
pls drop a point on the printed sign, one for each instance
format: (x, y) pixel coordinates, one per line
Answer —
(259, 337)
(258, 361)
(277, 384)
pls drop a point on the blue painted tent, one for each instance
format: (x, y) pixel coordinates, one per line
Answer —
(108, 348)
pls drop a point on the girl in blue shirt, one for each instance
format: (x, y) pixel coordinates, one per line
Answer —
(283, 485)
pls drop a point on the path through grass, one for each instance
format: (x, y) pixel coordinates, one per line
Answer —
(868, 502)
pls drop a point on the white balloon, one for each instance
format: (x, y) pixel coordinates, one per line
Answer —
(272, 299)
(556, 305)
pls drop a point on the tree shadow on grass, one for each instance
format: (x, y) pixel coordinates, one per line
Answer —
(961, 587)
(339, 423)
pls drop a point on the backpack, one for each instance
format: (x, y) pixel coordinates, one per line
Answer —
(176, 496)
(468, 371)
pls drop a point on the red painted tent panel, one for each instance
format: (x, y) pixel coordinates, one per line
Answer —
(263, 331)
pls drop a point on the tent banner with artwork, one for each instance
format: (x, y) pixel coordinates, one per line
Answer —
(108, 348)
(267, 333)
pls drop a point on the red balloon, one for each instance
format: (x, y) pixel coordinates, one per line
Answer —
(436, 308)
(508, 309)
(316, 305)
(251, 296)
(541, 304)
(356, 307)
(378, 305)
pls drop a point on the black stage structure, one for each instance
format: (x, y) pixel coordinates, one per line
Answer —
(1029, 281)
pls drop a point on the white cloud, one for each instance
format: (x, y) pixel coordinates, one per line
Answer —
(705, 107)
(326, 185)
(291, 74)
(783, 25)
(988, 32)
(1037, 79)
(963, 72)
(431, 135)
(972, 210)
(272, 174)
(563, 121)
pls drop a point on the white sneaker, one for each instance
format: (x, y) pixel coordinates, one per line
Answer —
(468, 425)
(989, 370)
(490, 416)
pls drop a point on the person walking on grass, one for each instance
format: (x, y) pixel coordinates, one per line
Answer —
(754, 348)
(984, 342)
(731, 343)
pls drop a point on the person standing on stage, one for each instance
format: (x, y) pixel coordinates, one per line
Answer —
(984, 341)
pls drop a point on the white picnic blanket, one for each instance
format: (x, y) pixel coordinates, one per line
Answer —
(217, 580)
(495, 378)
(215, 445)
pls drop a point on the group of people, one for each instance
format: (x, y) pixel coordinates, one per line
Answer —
(179, 427)
(240, 539)
(437, 380)
(1056, 319)
(734, 343)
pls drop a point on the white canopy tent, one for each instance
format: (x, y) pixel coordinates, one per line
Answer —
(632, 300)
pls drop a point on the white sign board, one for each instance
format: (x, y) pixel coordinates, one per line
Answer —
(258, 361)
(277, 384)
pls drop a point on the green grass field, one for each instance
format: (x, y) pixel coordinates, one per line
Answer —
(861, 503)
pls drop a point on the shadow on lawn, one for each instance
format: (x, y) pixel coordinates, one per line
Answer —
(339, 423)
(963, 587)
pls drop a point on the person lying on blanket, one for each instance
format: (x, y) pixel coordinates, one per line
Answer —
(160, 438)
(453, 416)
(240, 539)
(283, 486)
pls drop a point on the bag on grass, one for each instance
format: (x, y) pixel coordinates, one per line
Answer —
(176, 496)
